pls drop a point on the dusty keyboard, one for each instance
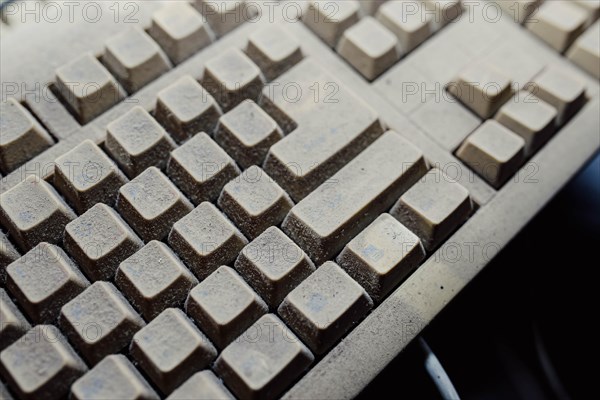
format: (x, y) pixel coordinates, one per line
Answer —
(240, 199)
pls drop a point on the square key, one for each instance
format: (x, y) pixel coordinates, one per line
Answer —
(264, 361)
(558, 23)
(33, 212)
(246, 133)
(99, 321)
(273, 264)
(200, 168)
(114, 377)
(136, 141)
(134, 59)
(273, 50)
(185, 108)
(329, 19)
(409, 21)
(43, 280)
(151, 204)
(170, 349)
(180, 31)
(254, 201)
(202, 385)
(232, 77)
(324, 307)
(99, 240)
(8, 254)
(41, 365)
(205, 239)
(22, 136)
(224, 16)
(88, 87)
(14, 325)
(86, 176)
(154, 279)
(224, 306)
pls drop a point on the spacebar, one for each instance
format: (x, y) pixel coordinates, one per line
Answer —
(325, 220)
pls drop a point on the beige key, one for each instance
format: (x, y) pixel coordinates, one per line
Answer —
(225, 16)
(86, 176)
(136, 141)
(99, 321)
(324, 307)
(224, 306)
(43, 280)
(14, 325)
(408, 21)
(558, 23)
(205, 239)
(585, 52)
(246, 133)
(264, 361)
(329, 19)
(22, 136)
(154, 279)
(114, 377)
(232, 77)
(273, 50)
(325, 220)
(180, 31)
(87, 87)
(494, 152)
(254, 202)
(33, 212)
(8, 254)
(445, 11)
(273, 264)
(530, 118)
(370, 7)
(381, 256)
(134, 59)
(591, 7)
(185, 108)
(200, 168)
(369, 47)
(202, 385)
(99, 240)
(519, 10)
(561, 90)
(433, 208)
(42, 365)
(170, 349)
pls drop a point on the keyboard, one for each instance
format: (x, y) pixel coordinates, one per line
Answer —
(248, 199)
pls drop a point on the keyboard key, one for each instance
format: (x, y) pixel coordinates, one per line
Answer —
(519, 10)
(43, 280)
(591, 7)
(187, 349)
(99, 240)
(266, 359)
(329, 19)
(254, 202)
(99, 321)
(273, 50)
(225, 16)
(585, 52)
(154, 279)
(558, 23)
(224, 306)
(232, 77)
(185, 108)
(246, 133)
(136, 141)
(204, 239)
(408, 21)
(22, 136)
(88, 87)
(433, 208)
(86, 176)
(273, 264)
(494, 152)
(200, 168)
(202, 386)
(446, 11)
(180, 31)
(369, 47)
(381, 256)
(14, 325)
(114, 377)
(8, 254)
(339, 209)
(324, 307)
(33, 212)
(42, 365)
(134, 59)
(151, 204)
(370, 7)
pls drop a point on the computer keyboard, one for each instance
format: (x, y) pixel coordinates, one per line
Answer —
(221, 199)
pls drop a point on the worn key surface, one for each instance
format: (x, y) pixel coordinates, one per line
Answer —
(202, 385)
(558, 23)
(273, 50)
